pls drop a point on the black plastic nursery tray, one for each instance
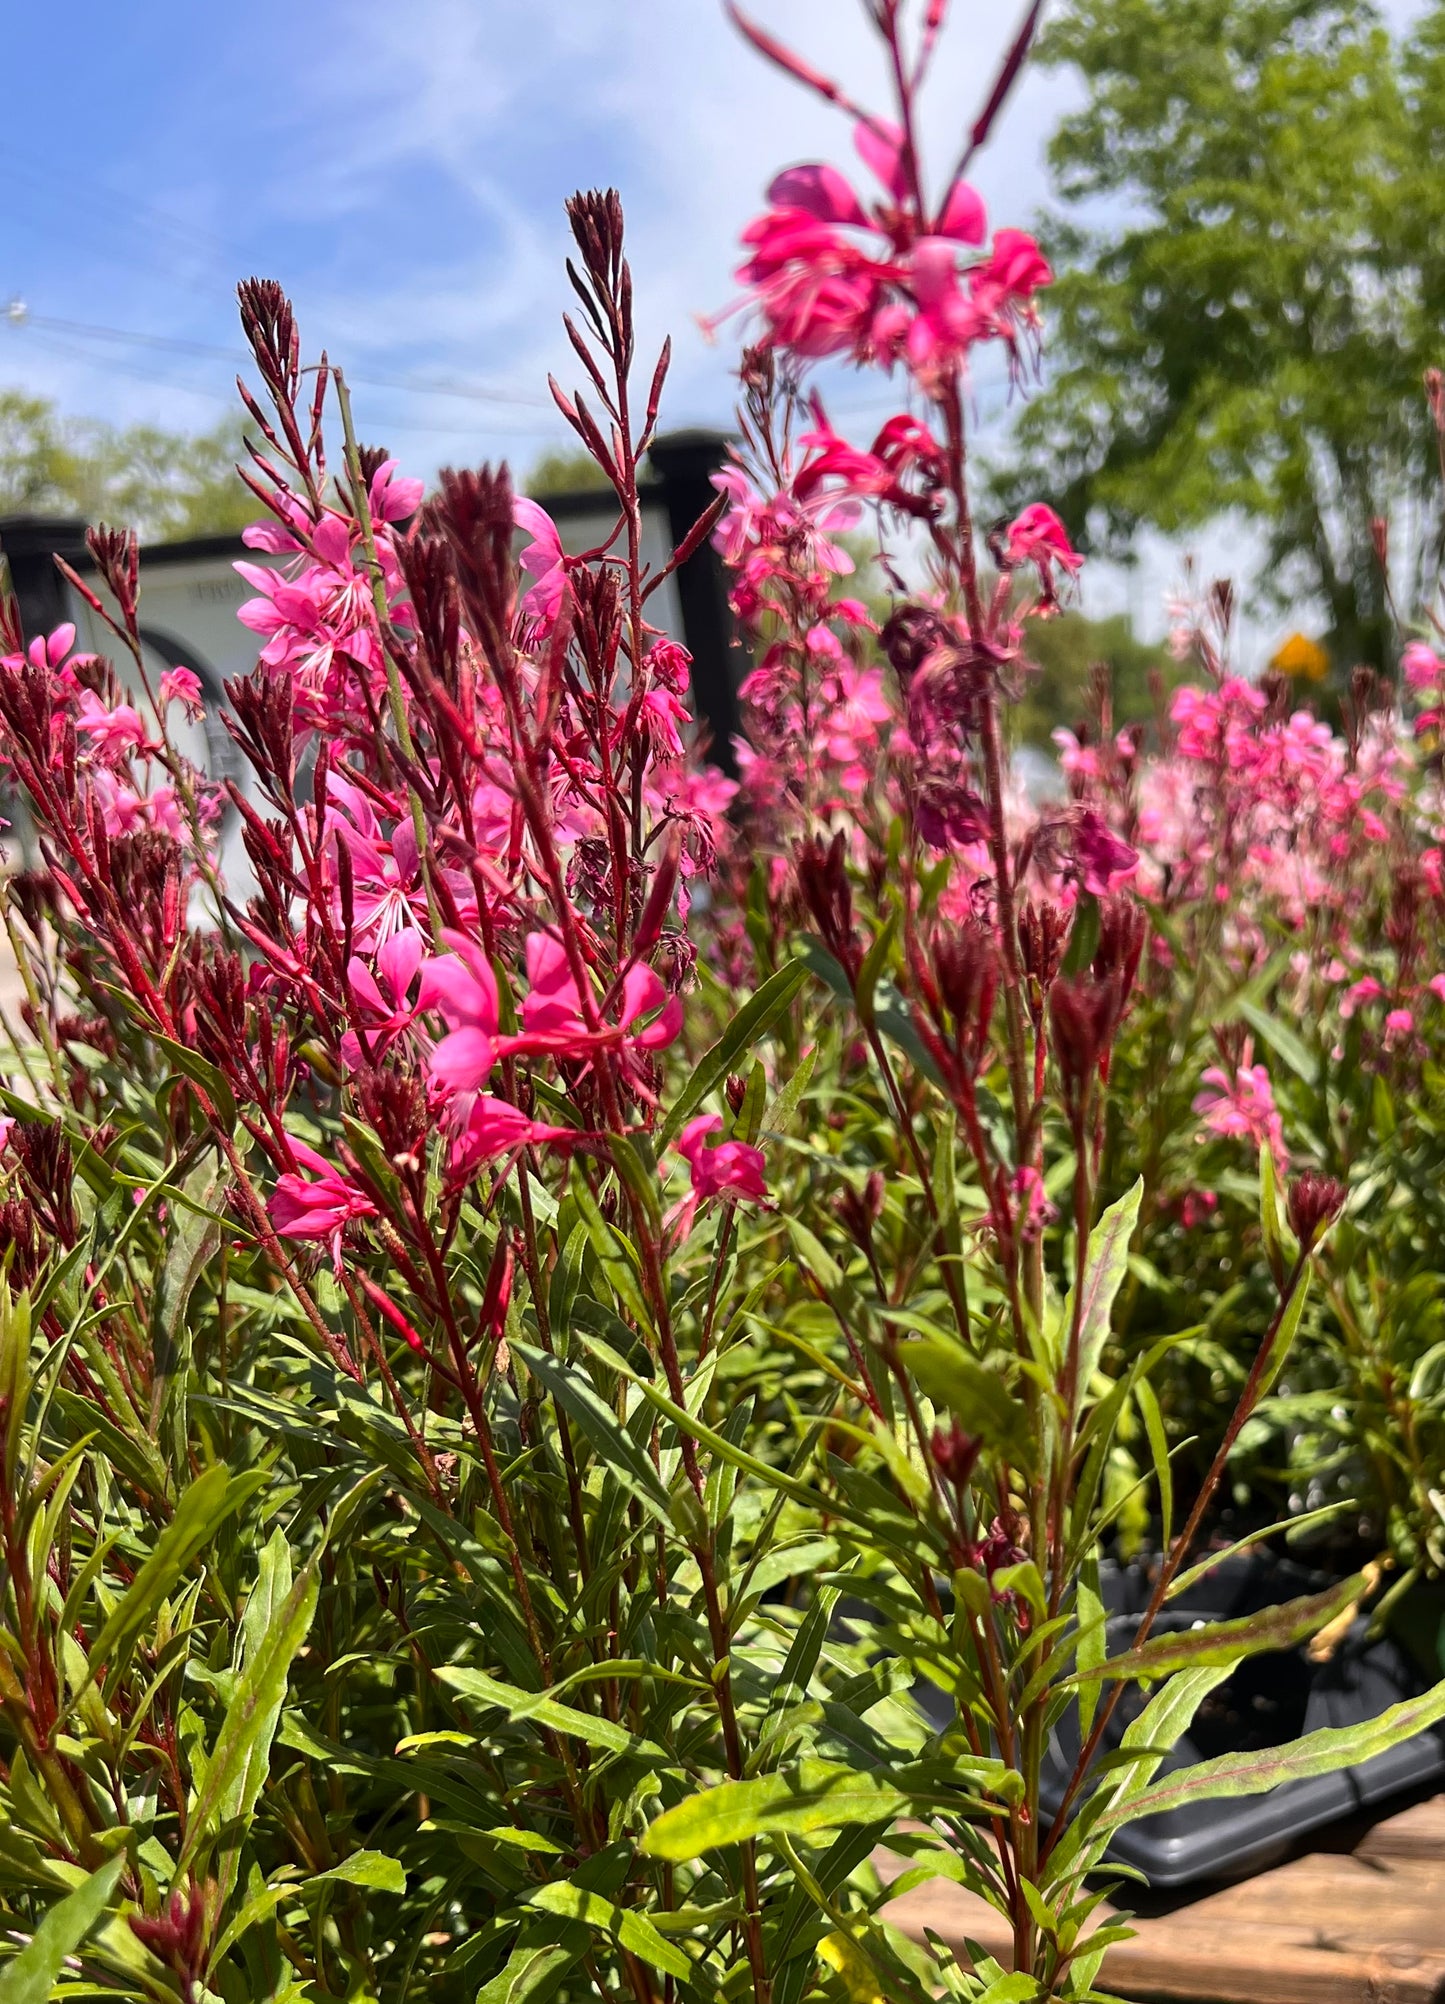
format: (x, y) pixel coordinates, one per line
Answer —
(1270, 1700)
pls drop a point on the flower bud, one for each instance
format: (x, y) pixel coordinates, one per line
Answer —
(822, 874)
(909, 637)
(1122, 928)
(1043, 930)
(966, 970)
(955, 1453)
(1315, 1201)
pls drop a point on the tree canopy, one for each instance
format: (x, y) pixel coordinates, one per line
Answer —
(166, 485)
(1250, 287)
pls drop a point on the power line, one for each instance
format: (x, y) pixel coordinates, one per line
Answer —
(490, 427)
(19, 315)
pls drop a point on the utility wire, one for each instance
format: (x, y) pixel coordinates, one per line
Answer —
(19, 315)
(490, 427)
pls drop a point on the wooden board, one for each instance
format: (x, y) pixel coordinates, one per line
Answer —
(1360, 1924)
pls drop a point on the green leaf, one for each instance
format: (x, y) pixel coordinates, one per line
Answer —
(1322, 1752)
(1283, 1340)
(1289, 1525)
(609, 1439)
(633, 1930)
(752, 1022)
(199, 1515)
(1269, 1216)
(1281, 1040)
(240, 1758)
(1083, 936)
(1091, 1618)
(529, 1975)
(372, 1870)
(1428, 1375)
(1162, 1723)
(31, 1977)
(874, 962)
(1104, 1269)
(200, 1072)
(778, 1116)
(1159, 1448)
(795, 1802)
(976, 1396)
(1283, 1627)
(525, 1705)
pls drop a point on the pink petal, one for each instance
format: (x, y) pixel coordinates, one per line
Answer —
(964, 216)
(538, 524)
(331, 540)
(819, 189)
(461, 1062)
(880, 146)
(399, 960)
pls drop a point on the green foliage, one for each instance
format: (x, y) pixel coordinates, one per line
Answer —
(558, 472)
(167, 485)
(1070, 658)
(1249, 284)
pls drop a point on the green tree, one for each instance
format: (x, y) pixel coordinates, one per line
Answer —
(561, 472)
(1249, 288)
(1066, 655)
(167, 485)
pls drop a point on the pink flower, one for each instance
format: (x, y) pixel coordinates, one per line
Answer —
(1197, 1207)
(1039, 537)
(1243, 1108)
(387, 892)
(1399, 1023)
(381, 999)
(1031, 1207)
(665, 717)
(1102, 858)
(553, 1018)
(50, 650)
(462, 988)
(182, 685)
(1367, 989)
(320, 1208)
(1422, 665)
(732, 1168)
(493, 1128)
(114, 733)
(543, 559)
(393, 496)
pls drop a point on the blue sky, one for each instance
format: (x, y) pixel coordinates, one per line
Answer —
(402, 168)
(401, 165)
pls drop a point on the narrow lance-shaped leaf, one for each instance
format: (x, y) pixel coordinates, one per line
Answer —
(238, 1762)
(796, 1801)
(529, 1973)
(813, 1795)
(753, 1021)
(518, 1705)
(1104, 1270)
(608, 1438)
(210, 1499)
(634, 1931)
(976, 1396)
(1324, 1752)
(1154, 1734)
(1282, 1627)
(266, 1608)
(31, 1977)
